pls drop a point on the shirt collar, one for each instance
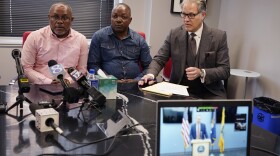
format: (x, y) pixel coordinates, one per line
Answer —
(198, 32)
(111, 32)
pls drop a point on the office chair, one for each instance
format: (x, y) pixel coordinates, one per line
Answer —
(24, 36)
(144, 36)
(167, 70)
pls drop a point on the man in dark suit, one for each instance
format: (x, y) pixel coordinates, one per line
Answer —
(200, 62)
(198, 130)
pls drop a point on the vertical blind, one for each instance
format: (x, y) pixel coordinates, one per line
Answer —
(18, 16)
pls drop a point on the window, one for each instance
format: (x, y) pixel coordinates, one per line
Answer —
(18, 16)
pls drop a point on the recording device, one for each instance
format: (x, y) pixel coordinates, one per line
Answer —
(70, 94)
(23, 82)
(58, 72)
(82, 81)
(47, 119)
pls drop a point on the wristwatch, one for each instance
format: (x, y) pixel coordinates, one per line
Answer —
(202, 73)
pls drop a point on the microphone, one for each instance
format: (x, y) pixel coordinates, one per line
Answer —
(82, 81)
(16, 54)
(23, 83)
(41, 105)
(70, 94)
(46, 118)
(58, 72)
(79, 78)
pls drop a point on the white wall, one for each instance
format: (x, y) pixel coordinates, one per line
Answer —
(7, 64)
(253, 29)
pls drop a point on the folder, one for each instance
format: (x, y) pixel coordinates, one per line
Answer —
(167, 89)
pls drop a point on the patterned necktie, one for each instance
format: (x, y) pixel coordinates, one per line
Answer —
(193, 43)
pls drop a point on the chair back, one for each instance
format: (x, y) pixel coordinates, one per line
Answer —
(144, 36)
(24, 36)
(167, 69)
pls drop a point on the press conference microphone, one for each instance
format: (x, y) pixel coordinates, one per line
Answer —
(23, 83)
(45, 118)
(57, 71)
(79, 78)
(82, 81)
(16, 54)
(71, 95)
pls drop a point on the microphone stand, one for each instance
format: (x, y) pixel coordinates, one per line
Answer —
(23, 84)
(19, 101)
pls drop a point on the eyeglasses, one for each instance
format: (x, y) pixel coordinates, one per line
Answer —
(62, 18)
(190, 15)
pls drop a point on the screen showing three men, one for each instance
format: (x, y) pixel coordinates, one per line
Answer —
(209, 130)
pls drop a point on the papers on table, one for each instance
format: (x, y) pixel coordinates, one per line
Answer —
(166, 88)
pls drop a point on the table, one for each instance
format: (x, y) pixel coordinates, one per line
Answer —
(246, 74)
(20, 137)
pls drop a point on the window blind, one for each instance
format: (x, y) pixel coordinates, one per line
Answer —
(18, 16)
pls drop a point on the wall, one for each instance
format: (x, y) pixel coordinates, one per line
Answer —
(253, 29)
(7, 64)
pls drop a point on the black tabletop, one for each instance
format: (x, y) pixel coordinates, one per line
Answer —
(19, 136)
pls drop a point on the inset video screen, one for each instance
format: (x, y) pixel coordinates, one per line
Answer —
(213, 130)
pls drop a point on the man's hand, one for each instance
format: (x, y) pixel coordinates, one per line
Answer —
(146, 80)
(192, 73)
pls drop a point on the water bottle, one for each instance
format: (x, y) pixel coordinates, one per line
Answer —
(93, 81)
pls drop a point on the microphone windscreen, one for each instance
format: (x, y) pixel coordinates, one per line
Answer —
(71, 69)
(56, 70)
(52, 63)
(33, 107)
(16, 53)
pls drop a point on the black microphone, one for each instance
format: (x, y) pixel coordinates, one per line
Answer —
(57, 71)
(82, 81)
(23, 82)
(16, 54)
(79, 78)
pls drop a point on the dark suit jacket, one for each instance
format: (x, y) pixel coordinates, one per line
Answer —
(203, 132)
(212, 54)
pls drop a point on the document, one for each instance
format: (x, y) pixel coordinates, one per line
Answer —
(166, 88)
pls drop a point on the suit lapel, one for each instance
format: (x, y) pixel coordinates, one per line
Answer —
(182, 41)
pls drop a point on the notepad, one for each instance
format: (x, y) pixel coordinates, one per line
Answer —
(166, 88)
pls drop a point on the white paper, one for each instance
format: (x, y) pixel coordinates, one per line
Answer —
(168, 88)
